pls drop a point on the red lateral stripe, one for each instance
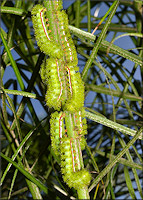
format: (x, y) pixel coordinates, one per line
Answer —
(69, 75)
(42, 21)
(60, 125)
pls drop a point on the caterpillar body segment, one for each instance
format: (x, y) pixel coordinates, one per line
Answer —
(72, 175)
(69, 51)
(70, 161)
(65, 87)
(78, 179)
(43, 33)
(56, 87)
(58, 4)
(76, 100)
(66, 156)
(57, 130)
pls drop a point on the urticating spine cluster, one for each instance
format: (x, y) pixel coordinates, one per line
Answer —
(65, 90)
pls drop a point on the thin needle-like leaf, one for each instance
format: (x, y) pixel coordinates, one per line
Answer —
(26, 174)
(119, 155)
(111, 124)
(13, 63)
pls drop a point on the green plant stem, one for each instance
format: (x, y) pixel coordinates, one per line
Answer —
(83, 193)
(69, 124)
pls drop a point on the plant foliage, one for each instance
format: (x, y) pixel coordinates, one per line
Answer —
(112, 71)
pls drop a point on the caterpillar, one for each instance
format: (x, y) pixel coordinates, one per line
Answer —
(70, 160)
(71, 168)
(43, 33)
(65, 87)
(60, 29)
(57, 130)
(76, 101)
(70, 54)
(53, 77)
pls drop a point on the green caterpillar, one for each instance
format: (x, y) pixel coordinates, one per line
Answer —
(57, 130)
(52, 76)
(65, 87)
(43, 33)
(73, 174)
(60, 31)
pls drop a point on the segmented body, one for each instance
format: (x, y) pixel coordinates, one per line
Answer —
(43, 33)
